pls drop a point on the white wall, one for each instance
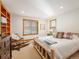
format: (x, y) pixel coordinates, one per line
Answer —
(43, 27)
(68, 22)
(17, 25)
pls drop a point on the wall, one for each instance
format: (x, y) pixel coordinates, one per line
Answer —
(17, 25)
(68, 22)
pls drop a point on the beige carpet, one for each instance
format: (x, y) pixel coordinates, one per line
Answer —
(29, 52)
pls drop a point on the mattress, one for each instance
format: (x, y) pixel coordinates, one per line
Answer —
(63, 47)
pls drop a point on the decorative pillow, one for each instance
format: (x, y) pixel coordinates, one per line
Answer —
(68, 35)
(60, 35)
(55, 34)
(75, 37)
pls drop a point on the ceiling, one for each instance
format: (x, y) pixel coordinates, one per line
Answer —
(40, 8)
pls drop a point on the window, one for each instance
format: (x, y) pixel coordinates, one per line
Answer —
(30, 27)
(53, 25)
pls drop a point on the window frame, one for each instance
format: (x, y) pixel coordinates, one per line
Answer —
(31, 32)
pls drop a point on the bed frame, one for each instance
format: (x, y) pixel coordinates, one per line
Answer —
(43, 52)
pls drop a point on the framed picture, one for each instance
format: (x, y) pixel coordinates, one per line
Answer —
(52, 23)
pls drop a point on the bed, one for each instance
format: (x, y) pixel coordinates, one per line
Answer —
(55, 48)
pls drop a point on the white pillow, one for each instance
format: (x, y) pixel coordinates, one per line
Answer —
(75, 37)
(45, 38)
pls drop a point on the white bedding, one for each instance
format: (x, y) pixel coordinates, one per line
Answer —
(64, 47)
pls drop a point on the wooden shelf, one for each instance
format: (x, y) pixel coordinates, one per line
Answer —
(8, 20)
(8, 26)
(5, 27)
(5, 51)
(3, 11)
(8, 16)
(3, 15)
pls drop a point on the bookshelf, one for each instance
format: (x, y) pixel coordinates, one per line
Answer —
(5, 27)
(5, 39)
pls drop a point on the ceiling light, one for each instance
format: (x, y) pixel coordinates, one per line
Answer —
(22, 12)
(61, 7)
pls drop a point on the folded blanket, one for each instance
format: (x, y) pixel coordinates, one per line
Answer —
(49, 42)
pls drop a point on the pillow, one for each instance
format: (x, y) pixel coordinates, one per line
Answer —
(68, 35)
(60, 35)
(75, 37)
(55, 34)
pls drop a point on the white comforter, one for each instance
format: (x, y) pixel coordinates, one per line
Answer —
(64, 47)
